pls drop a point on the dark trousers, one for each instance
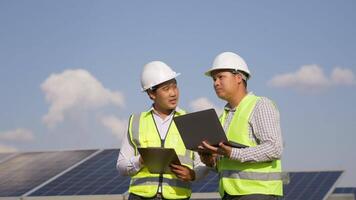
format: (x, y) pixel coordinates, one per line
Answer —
(249, 197)
(157, 197)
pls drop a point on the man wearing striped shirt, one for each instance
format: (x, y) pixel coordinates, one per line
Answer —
(253, 172)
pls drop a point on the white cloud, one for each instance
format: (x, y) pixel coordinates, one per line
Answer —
(75, 89)
(7, 149)
(203, 103)
(117, 126)
(312, 78)
(340, 76)
(16, 135)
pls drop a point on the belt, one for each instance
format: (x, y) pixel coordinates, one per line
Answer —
(251, 196)
(158, 196)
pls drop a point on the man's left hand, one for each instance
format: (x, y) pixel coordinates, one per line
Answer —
(223, 149)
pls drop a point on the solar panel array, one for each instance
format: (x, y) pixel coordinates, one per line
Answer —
(345, 190)
(209, 184)
(310, 185)
(97, 175)
(25, 171)
(54, 174)
(302, 185)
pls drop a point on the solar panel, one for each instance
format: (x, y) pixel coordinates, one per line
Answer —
(28, 170)
(302, 185)
(209, 184)
(345, 190)
(97, 175)
(310, 185)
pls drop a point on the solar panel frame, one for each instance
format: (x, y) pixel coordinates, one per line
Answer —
(96, 175)
(303, 185)
(345, 190)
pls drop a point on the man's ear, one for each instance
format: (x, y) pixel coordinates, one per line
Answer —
(238, 78)
(151, 95)
(241, 80)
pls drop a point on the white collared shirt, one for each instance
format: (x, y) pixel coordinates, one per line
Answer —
(128, 163)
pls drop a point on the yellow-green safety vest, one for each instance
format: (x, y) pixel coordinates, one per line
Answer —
(143, 133)
(237, 178)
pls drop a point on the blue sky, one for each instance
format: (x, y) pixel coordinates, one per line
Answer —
(70, 70)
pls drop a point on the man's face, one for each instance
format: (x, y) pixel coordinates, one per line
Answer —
(225, 83)
(166, 96)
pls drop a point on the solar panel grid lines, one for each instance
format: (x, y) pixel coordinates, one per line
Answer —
(316, 187)
(68, 169)
(95, 182)
(342, 190)
(288, 189)
(345, 190)
(209, 184)
(310, 185)
(25, 171)
(61, 181)
(97, 175)
(330, 180)
(100, 182)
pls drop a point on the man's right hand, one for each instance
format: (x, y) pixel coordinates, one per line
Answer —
(208, 159)
(140, 160)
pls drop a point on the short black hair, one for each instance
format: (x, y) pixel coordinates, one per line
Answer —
(154, 88)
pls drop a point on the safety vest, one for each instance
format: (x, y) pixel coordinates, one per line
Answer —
(237, 178)
(143, 133)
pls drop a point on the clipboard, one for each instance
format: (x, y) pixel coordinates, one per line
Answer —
(202, 126)
(158, 159)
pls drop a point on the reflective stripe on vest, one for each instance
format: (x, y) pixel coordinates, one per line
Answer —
(270, 176)
(237, 178)
(165, 181)
(186, 159)
(135, 129)
(143, 133)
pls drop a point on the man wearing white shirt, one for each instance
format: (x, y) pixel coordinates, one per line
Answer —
(155, 128)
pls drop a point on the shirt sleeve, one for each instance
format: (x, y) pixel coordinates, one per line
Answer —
(127, 163)
(200, 169)
(265, 128)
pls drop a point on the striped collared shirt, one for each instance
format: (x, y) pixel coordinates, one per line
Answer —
(264, 129)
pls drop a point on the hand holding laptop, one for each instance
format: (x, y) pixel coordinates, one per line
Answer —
(222, 149)
(200, 126)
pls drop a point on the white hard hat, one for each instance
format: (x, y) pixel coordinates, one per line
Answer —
(229, 60)
(156, 72)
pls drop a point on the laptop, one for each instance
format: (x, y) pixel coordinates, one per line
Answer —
(202, 126)
(158, 159)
